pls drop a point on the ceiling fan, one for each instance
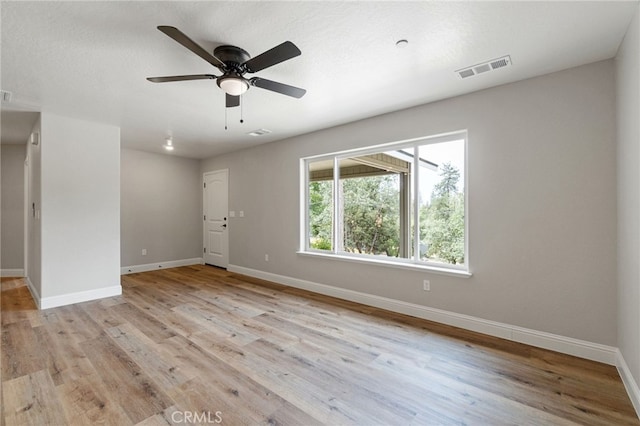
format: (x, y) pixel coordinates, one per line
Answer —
(234, 63)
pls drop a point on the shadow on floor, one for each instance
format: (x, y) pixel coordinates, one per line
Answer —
(15, 296)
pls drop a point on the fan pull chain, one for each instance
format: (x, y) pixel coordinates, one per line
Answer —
(225, 117)
(241, 108)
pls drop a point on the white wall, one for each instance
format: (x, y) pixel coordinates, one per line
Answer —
(34, 231)
(160, 209)
(80, 218)
(542, 204)
(12, 214)
(628, 113)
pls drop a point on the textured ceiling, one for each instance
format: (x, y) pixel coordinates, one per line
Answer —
(90, 60)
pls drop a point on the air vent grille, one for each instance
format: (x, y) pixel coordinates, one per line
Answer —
(466, 73)
(499, 63)
(259, 132)
(6, 96)
(484, 67)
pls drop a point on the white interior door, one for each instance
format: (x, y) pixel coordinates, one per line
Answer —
(216, 230)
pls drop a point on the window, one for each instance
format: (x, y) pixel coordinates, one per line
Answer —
(402, 202)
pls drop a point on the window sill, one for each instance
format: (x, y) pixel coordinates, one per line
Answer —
(400, 265)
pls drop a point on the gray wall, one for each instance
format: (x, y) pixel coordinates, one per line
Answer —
(80, 208)
(12, 215)
(161, 208)
(542, 204)
(628, 108)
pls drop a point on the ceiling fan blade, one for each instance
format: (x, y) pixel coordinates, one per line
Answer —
(181, 38)
(274, 86)
(232, 101)
(181, 78)
(280, 53)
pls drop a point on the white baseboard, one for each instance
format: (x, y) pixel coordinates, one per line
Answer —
(85, 296)
(18, 273)
(566, 345)
(34, 292)
(160, 265)
(78, 297)
(71, 298)
(629, 382)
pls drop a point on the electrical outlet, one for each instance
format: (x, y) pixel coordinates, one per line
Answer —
(426, 285)
(144, 252)
(241, 213)
(266, 257)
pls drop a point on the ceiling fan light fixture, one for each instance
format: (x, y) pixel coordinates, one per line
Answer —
(233, 85)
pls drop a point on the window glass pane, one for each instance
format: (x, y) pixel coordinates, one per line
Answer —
(370, 205)
(404, 201)
(320, 205)
(441, 202)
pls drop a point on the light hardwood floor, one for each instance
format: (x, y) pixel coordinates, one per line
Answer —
(202, 345)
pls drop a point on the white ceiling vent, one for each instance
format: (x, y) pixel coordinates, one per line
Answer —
(484, 67)
(466, 73)
(6, 96)
(259, 132)
(499, 63)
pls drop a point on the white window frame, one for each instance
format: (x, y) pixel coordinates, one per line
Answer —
(405, 263)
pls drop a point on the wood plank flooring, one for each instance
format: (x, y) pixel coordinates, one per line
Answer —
(200, 345)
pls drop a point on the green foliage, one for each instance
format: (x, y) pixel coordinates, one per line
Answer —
(371, 217)
(371, 214)
(320, 214)
(321, 244)
(442, 221)
(448, 185)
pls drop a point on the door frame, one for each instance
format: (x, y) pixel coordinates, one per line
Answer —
(27, 217)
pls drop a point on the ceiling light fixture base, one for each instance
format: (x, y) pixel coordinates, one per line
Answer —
(233, 84)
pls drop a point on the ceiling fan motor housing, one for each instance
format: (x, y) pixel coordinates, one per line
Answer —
(233, 57)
